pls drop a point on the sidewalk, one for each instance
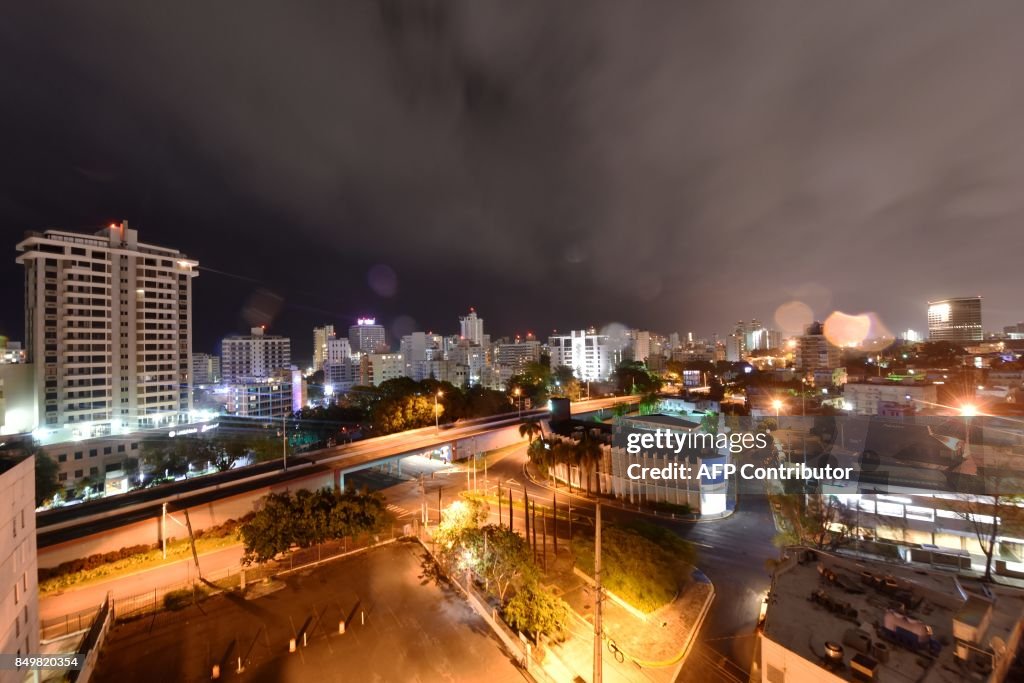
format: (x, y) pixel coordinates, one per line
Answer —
(656, 645)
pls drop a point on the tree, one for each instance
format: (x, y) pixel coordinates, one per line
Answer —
(399, 413)
(462, 516)
(46, 476)
(816, 520)
(588, 455)
(270, 531)
(709, 423)
(530, 429)
(537, 611)
(307, 518)
(541, 454)
(991, 511)
(564, 383)
(506, 559)
(633, 377)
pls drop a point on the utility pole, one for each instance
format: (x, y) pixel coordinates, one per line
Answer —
(499, 502)
(284, 441)
(554, 522)
(163, 529)
(533, 526)
(510, 518)
(598, 664)
(526, 513)
(544, 536)
(423, 499)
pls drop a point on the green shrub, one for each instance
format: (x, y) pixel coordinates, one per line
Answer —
(643, 564)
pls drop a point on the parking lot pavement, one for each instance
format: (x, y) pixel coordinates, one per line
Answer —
(400, 626)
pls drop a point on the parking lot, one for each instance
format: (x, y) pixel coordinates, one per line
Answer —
(401, 625)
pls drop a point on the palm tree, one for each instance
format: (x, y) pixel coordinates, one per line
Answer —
(530, 429)
(588, 455)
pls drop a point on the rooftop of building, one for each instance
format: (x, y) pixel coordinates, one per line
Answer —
(11, 459)
(818, 598)
(902, 380)
(669, 421)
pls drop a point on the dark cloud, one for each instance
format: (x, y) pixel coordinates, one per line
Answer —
(674, 165)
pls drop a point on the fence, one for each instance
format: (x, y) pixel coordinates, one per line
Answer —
(59, 627)
(92, 642)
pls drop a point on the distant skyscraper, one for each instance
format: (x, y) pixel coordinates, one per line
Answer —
(955, 320)
(320, 337)
(255, 356)
(471, 327)
(108, 324)
(366, 336)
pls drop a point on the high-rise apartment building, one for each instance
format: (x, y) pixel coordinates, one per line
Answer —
(590, 354)
(471, 327)
(205, 369)
(640, 345)
(366, 336)
(814, 351)
(254, 356)
(418, 349)
(321, 335)
(518, 354)
(955, 320)
(108, 324)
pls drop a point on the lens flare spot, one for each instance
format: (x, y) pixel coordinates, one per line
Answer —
(843, 329)
(792, 317)
(382, 280)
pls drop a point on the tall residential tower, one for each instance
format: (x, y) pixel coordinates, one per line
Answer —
(108, 325)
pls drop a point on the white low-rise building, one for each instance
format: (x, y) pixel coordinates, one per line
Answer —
(864, 398)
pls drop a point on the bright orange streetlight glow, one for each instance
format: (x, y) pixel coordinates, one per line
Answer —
(777, 404)
(968, 410)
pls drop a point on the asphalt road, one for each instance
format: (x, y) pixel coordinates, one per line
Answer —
(90, 596)
(414, 630)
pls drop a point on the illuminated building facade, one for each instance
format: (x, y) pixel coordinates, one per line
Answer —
(955, 320)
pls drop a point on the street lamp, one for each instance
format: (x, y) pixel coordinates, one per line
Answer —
(519, 401)
(777, 404)
(437, 423)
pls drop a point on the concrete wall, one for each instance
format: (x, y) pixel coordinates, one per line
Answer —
(489, 441)
(148, 531)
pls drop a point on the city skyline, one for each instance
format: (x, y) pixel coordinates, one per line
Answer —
(167, 145)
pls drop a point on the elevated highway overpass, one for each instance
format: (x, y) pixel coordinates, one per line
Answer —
(135, 518)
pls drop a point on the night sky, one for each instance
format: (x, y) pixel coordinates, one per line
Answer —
(674, 166)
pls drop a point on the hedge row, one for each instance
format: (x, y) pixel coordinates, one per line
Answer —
(228, 528)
